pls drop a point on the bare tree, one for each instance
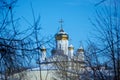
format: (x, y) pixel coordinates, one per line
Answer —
(17, 48)
(96, 68)
(107, 26)
(66, 68)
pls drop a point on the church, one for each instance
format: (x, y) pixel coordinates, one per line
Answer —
(63, 64)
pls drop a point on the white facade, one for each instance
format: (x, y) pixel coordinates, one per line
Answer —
(62, 45)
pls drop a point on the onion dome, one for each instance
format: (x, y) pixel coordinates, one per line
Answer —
(80, 50)
(61, 35)
(43, 49)
(70, 47)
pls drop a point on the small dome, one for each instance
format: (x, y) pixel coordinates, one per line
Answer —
(71, 47)
(80, 49)
(61, 35)
(43, 48)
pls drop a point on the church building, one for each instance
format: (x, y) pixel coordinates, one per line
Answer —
(66, 61)
(63, 64)
(63, 47)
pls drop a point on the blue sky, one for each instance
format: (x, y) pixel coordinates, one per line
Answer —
(75, 13)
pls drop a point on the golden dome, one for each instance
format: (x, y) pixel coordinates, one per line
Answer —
(70, 47)
(61, 35)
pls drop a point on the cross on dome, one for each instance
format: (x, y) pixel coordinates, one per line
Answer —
(61, 21)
